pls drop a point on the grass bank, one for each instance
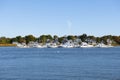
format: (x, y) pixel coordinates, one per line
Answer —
(7, 45)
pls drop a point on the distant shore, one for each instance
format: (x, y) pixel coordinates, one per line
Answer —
(82, 40)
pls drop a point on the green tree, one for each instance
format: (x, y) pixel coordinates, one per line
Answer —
(98, 40)
(29, 38)
(83, 37)
(3, 40)
(20, 39)
(116, 39)
(43, 39)
(55, 37)
(60, 39)
(71, 37)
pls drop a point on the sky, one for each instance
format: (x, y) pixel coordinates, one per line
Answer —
(59, 17)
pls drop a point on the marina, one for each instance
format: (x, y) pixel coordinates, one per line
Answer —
(67, 44)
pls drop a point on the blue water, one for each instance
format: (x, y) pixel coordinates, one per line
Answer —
(59, 64)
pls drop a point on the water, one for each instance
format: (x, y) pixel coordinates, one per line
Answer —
(59, 64)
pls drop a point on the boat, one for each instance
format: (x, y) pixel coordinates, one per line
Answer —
(51, 45)
(102, 45)
(86, 45)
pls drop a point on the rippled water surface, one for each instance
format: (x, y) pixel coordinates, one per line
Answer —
(59, 63)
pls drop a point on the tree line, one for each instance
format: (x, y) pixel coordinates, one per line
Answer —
(44, 38)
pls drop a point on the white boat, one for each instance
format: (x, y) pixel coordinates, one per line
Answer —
(101, 45)
(34, 45)
(23, 45)
(85, 45)
(66, 45)
(76, 46)
(37, 46)
(51, 45)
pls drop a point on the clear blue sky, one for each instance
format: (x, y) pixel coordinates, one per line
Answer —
(59, 17)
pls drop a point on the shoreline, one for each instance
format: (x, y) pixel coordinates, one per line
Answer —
(14, 45)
